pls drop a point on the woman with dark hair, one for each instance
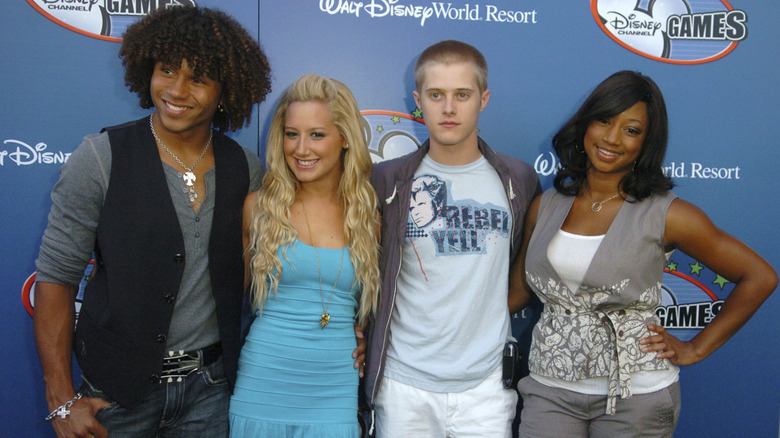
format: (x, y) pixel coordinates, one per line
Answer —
(594, 251)
(620, 92)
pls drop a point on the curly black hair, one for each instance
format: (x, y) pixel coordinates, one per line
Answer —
(215, 46)
(611, 97)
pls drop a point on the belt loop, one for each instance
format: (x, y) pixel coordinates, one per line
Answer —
(200, 360)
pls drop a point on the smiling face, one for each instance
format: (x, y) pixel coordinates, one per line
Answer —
(451, 101)
(185, 102)
(613, 144)
(312, 143)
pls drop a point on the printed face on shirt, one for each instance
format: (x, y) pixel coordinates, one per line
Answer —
(312, 143)
(422, 209)
(185, 102)
(429, 195)
(451, 101)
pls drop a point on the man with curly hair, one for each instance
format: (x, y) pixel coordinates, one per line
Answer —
(159, 202)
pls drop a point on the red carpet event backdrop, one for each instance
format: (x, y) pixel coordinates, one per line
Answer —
(715, 61)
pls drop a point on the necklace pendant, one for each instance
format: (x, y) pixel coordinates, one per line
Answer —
(189, 178)
(596, 207)
(324, 319)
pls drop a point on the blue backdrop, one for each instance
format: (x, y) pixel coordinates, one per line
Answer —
(713, 60)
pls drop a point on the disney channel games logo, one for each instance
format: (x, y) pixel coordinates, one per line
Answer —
(101, 19)
(673, 31)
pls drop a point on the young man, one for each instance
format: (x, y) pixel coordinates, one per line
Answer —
(435, 346)
(159, 201)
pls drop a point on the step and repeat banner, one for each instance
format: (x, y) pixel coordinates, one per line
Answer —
(715, 61)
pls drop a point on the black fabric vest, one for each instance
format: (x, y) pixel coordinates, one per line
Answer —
(139, 251)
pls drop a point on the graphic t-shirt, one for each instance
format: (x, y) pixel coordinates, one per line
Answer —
(451, 319)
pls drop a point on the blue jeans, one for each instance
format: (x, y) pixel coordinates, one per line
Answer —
(194, 407)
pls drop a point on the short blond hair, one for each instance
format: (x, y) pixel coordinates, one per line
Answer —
(451, 52)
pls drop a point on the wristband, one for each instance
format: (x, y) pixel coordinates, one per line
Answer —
(63, 411)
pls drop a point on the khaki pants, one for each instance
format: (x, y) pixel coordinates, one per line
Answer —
(554, 412)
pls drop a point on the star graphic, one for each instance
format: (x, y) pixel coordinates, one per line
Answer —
(417, 113)
(696, 269)
(672, 266)
(380, 128)
(396, 120)
(720, 281)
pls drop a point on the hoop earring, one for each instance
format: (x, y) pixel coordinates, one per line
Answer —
(220, 108)
(633, 169)
(580, 149)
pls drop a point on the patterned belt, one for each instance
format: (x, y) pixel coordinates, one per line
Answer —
(179, 364)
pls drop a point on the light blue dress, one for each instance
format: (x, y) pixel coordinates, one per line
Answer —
(295, 378)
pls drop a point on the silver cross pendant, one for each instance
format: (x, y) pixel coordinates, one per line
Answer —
(189, 178)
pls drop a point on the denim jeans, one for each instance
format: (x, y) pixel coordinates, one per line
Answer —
(195, 407)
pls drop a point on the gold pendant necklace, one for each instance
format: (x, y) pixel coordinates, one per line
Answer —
(189, 176)
(596, 206)
(325, 317)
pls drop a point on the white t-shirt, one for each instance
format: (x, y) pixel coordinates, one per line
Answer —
(451, 319)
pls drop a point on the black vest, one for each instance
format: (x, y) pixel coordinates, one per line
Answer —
(139, 251)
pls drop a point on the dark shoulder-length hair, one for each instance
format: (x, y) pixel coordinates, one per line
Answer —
(614, 95)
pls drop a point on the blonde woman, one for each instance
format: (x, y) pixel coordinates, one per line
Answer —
(311, 249)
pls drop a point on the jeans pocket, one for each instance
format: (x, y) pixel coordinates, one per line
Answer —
(86, 389)
(214, 374)
(666, 405)
(522, 386)
(673, 392)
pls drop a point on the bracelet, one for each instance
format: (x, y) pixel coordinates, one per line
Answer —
(63, 411)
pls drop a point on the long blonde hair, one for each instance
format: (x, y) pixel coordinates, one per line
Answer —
(270, 227)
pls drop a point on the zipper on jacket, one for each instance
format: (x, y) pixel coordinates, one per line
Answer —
(510, 196)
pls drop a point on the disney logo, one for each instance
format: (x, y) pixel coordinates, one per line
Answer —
(376, 9)
(333, 7)
(546, 167)
(25, 155)
(380, 10)
(621, 22)
(78, 2)
(351, 7)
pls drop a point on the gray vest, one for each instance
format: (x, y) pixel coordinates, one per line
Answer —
(594, 331)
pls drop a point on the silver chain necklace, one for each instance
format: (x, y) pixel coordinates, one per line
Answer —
(189, 176)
